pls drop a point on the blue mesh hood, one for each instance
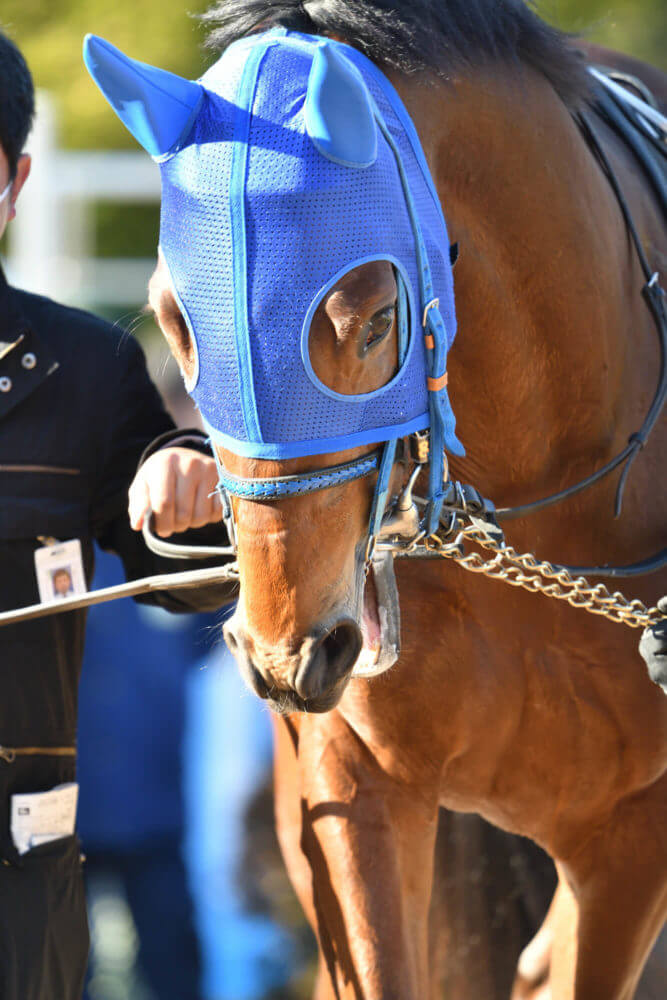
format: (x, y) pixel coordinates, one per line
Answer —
(257, 222)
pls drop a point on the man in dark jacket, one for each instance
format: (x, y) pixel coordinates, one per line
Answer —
(77, 410)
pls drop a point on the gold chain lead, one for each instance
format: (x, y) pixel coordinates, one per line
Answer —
(541, 577)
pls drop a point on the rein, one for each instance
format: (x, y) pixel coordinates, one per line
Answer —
(654, 296)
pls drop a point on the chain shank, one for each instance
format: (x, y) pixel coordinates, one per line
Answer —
(539, 577)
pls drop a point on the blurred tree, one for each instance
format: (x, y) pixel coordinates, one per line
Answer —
(51, 35)
(638, 27)
(161, 32)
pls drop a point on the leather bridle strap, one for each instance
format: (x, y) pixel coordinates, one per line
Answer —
(643, 568)
(654, 296)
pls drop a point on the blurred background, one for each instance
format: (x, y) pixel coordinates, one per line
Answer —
(188, 897)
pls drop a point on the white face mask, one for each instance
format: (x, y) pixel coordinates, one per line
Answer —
(6, 192)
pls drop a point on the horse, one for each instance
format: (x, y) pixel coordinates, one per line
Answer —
(502, 703)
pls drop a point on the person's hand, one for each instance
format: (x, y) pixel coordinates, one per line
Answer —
(179, 486)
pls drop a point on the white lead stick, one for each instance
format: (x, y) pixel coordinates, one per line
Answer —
(164, 581)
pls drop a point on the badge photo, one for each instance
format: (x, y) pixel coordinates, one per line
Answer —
(59, 570)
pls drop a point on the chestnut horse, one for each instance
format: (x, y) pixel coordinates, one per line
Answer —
(526, 711)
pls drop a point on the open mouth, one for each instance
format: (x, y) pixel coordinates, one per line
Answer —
(380, 619)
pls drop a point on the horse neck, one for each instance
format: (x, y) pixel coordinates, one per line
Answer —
(537, 372)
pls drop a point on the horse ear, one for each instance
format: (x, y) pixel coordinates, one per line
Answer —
(338, 112)
(157, 107)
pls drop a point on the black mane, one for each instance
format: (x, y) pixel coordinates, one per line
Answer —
(416, 35)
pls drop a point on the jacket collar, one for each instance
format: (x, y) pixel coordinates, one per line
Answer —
(25, 359)
(13, 322)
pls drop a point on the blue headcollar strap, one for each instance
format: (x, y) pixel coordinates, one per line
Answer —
(280, 487)
(441, 423)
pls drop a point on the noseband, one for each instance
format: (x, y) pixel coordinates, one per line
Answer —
(280, 487)
(301, 484)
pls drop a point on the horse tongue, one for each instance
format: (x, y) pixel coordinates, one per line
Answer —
(370, 622)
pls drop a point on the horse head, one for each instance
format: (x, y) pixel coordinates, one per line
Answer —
(303, 256)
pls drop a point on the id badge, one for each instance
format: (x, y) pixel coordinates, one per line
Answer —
(39, 817)
(59, 570)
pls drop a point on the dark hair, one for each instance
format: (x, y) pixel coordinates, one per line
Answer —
(414, 35)
(17, 101)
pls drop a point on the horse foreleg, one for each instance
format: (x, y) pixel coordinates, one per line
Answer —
(287, 796)
(616, 903)
(368, 847)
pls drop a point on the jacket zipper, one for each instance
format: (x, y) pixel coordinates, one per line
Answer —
(9, 754)
(60, 469)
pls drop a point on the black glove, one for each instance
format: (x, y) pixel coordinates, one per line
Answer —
(653, 647)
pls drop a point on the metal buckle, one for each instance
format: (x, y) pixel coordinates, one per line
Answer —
(433, 304)
(420, 447)
(370, 549)
(228, 517)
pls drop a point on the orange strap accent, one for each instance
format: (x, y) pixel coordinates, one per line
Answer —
(429, 341)
(437, 383)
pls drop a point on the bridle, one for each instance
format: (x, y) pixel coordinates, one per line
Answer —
(399, 525)
(402, 525)
(403, 528)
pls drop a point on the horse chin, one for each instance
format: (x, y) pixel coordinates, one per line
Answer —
(286, 702)
(380, 619)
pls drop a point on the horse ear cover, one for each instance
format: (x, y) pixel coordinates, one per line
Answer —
(158, 107)
(338, 111)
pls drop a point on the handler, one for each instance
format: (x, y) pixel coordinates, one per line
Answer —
(77, 410)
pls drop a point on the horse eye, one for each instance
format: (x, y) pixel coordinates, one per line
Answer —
(379, 326)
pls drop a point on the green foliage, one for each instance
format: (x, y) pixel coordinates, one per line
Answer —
(638, 27)
(125, 230)
(50, 34)
(163, 32)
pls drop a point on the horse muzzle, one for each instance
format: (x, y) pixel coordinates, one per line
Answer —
(312, 679)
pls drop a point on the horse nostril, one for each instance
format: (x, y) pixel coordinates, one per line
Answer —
(238, 647)
(258, 682)
(342, 647)
(330, 660)
(230, 639)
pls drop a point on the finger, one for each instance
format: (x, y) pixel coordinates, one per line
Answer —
(207, 509)
(185, 497)
(162, 492)
(207, 506)
(138, 502)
